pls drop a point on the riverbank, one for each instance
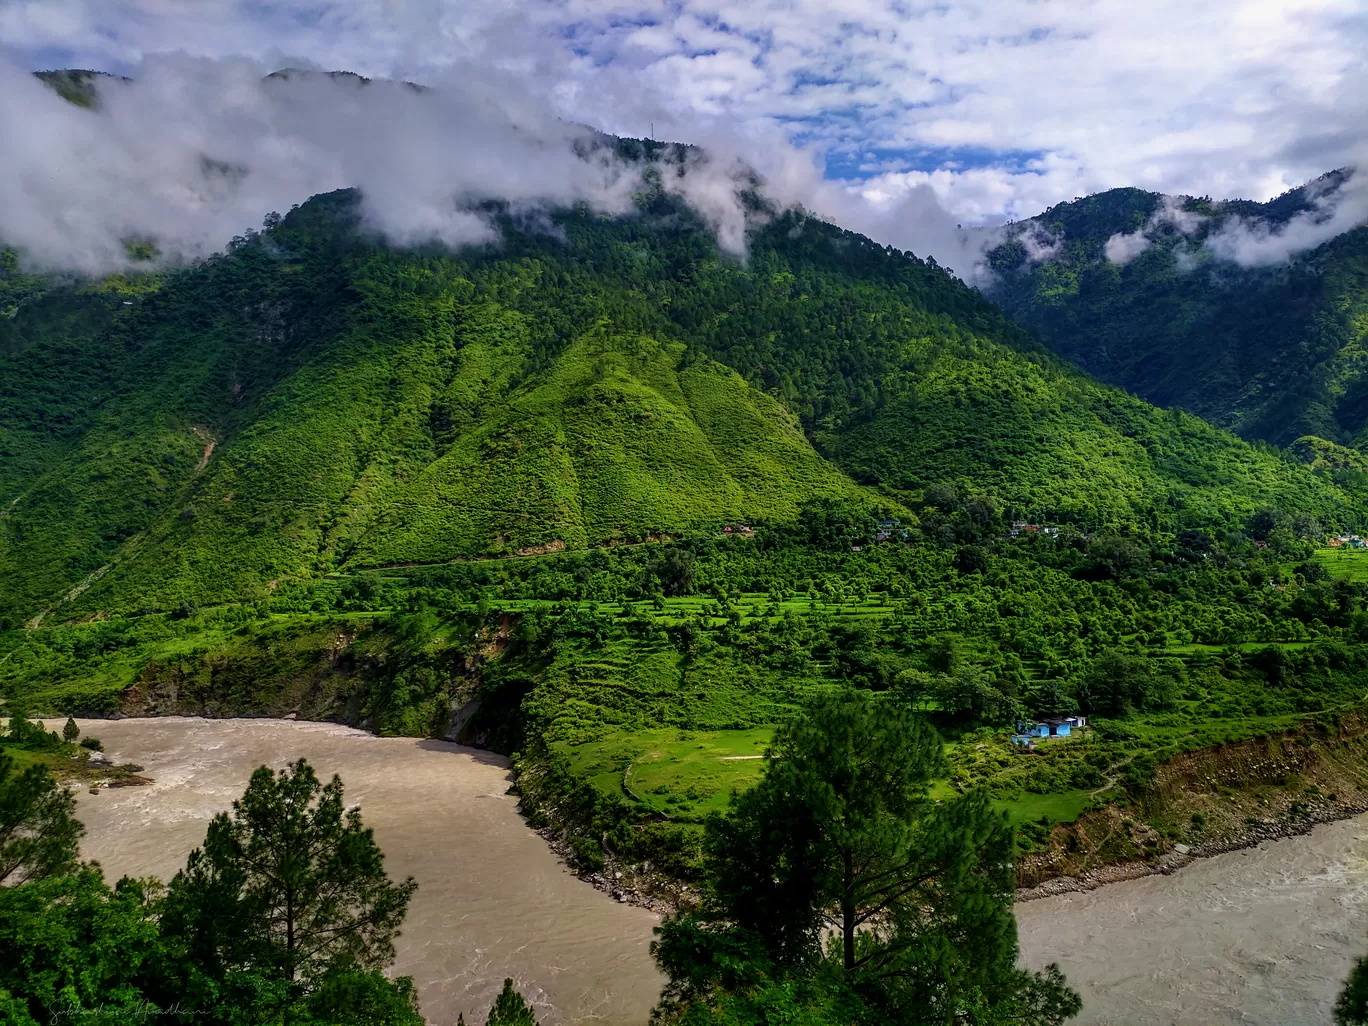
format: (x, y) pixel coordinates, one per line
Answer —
(1209, 802)
(1175, 860)
(492, 902)
(1195, 805)
(1213, 939)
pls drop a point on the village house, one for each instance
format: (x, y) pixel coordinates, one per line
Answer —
(1020, 527)
(889, 529)
(1047, 727)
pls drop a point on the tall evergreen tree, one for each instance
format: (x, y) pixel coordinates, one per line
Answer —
(840, 840)
(290, 884)
(39, 835)
(510, 1009)
(1351, 1008)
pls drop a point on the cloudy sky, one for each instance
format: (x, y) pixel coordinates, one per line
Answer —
(897, 118)
(1001, 106)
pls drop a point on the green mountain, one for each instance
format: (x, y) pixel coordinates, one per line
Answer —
(313, 400)
(1272, 353)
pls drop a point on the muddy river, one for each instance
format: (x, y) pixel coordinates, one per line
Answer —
(1263, 936)
(492, 899)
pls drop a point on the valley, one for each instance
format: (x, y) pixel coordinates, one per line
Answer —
(492, 901)
(809, 600)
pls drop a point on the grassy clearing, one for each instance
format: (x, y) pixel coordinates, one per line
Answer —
(681, 774)
(1057, 808)
(1347, 564)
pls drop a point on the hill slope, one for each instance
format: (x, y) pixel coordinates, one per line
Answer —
(314, 400)
(1138, 297)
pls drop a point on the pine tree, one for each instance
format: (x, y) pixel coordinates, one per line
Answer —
(510, 1009)
(291, 881)
(840, 839)
(39, 833)
(70, 732)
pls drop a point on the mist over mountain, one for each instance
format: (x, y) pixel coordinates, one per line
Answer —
(1251, 315)
(489, 341)
(167, 165)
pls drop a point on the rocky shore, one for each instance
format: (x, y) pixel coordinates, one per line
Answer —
(626, 884)
(1180, 855)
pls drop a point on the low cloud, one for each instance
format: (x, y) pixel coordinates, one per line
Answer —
(1169, 216)
(1040, 244)
(1122, 249)
(1336, 207)
(191, 152)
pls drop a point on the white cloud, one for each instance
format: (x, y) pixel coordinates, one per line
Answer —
(1262, 244)
(978, 113)
(193, 152)
(1123, 248)
(1241, 97)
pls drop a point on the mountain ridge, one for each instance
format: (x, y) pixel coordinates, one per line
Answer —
(1137, 292)
(314, 399)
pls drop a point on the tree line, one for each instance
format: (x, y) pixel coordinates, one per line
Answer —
(835, 891)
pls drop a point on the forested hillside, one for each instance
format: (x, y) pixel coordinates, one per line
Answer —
(314, 400)
(1138, 295)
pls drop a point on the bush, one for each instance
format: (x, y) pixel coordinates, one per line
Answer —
(586, 853)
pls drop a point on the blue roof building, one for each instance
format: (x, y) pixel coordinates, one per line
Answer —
(1050, 726)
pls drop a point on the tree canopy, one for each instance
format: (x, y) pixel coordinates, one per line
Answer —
(284, 915)
(839, 876)
(39, 835)
(290, 882)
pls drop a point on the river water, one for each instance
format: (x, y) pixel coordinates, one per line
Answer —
(1263, 936)
(492, 899)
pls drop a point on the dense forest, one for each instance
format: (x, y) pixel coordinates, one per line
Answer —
(312, 400)
(1137, 290)
(776, 556)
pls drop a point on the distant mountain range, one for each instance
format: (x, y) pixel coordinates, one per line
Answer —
(314, 399)
(1141, 290)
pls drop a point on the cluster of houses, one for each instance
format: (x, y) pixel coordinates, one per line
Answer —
(738, 530)
(1027, 733)
(1020, 527)
(888, 530)
(1347, 541)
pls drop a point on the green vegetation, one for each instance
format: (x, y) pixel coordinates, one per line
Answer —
(836, 891)
(310, 402)
(636, 685)
(285, 915)
(1351, 1008)
(620, 507)
(1272, 353)
(38, 835)
(510, 1009)
(1344, 563)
